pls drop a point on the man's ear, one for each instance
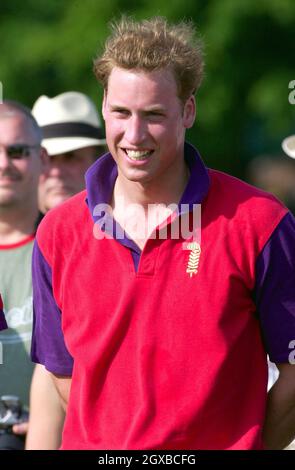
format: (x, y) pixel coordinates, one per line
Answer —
(104, 100)
(189, 112)
(45, 158)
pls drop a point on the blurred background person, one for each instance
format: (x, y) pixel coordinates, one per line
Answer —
(22, 161)
(73, 137)
(275, 174)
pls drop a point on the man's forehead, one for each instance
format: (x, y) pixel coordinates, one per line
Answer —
(161, 77)
(13, 117)
(16, 124)
(81, 151)
(148, 91)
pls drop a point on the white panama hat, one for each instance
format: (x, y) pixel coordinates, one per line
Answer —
(288, 146)
(69, 121)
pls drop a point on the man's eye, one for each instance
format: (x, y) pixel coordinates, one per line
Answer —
(155, 114)
(70, 155)
(18, 151)
(122, 112)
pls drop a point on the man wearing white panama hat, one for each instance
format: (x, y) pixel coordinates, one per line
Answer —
(73, 137)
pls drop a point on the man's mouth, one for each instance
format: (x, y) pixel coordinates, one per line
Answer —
(7, 177)
(8, 180)
(138, 155)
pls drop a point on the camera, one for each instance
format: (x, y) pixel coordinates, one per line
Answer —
(11, 412)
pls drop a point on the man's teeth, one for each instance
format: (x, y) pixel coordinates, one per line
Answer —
(138, 154)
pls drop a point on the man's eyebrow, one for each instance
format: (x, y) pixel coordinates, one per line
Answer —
(155, 110)
(155, 107)
(115, 107)
(150, 109)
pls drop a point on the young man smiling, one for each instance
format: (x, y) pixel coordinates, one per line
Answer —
(163, 331)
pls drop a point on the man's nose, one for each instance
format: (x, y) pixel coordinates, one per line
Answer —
(5, 161)
(56, 167)
(135, 132)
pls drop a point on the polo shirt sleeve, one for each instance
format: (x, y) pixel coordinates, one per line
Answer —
(3, 324)
(275, 291)
(48, 345)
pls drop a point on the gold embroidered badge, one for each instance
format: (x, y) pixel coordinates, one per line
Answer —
(194, 258)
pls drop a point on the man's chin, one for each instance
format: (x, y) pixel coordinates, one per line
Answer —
(8, 199)
(56, 200)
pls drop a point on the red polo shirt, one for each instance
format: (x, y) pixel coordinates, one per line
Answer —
(162, 359)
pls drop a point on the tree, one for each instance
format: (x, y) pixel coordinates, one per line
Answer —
(243, 107)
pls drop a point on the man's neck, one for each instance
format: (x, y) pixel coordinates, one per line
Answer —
(137, 206)
(17, 223)
(163, 191)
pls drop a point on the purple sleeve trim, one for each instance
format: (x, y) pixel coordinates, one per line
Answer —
(275, 290)
(3, 324)
(48, 346)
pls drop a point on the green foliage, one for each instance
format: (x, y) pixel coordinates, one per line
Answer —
(47, 47)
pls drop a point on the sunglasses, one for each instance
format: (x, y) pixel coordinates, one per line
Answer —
(18, 151)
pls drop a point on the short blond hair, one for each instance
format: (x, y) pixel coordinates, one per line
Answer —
(150, 45)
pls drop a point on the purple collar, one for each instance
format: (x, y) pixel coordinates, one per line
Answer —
(101, 176)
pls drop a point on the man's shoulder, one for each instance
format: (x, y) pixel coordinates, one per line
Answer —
(65, 218)
(75, 204)
(238, 191)
(244, 203)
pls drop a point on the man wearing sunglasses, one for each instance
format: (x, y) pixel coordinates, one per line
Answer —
(22, 161)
